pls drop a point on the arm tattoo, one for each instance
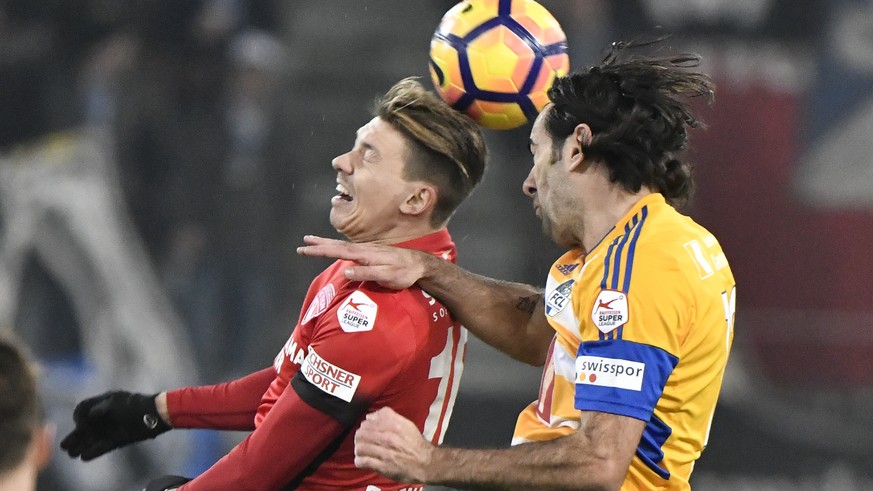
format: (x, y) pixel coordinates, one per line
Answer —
(527, 304)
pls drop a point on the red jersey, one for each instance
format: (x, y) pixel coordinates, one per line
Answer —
(357, 347)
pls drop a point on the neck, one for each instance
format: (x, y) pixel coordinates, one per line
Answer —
(607, 209)
(398, 235)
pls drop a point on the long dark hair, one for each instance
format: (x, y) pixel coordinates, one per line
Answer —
(638, 116)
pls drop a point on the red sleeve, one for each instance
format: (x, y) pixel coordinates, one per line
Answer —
(290, 437)
(227, 406)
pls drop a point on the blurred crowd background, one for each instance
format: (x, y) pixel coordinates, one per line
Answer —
(160, 161)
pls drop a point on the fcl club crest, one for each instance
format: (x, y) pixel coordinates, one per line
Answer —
(558, 298)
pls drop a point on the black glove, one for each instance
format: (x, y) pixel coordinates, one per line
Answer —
(165, 482)
(112, 420)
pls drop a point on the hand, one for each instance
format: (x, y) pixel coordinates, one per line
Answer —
(391, 445)
(112, 420)
(391, 267)
(165, 483)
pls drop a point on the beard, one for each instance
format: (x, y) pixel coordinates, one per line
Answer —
(561, 237)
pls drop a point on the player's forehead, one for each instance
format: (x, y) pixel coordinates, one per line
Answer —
(538, 134)
(369, 128)
(378, 130)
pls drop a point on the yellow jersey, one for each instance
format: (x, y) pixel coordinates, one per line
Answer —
(643, 327)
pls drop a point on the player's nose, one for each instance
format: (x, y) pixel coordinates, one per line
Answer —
(341, 163)
(529, 186)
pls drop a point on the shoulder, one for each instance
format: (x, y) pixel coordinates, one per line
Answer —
(670, 241)
(389, 317)
(409, 303)
(681, 250)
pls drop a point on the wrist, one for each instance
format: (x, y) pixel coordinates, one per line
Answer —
(147, 416)
(431, 464)
(163, 409)
(429, 265)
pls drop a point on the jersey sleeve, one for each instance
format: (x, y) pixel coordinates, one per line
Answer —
(621, 377)
(226, 406)
(356, 353)
(286, 445)
(631, 340)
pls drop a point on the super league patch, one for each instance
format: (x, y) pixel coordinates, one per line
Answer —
(357, 313)
(610, 310)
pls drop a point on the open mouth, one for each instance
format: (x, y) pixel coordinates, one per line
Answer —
(343, 193)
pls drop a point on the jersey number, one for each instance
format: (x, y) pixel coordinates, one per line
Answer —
(446, 366)
(729, 301)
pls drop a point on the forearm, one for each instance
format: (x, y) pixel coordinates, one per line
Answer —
(499, 313)
(595, 457)
(551, 465)
(274, 454)
(227, 406)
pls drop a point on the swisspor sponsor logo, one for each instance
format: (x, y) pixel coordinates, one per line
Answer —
(610, 310)
(330, 378)
(610, 372)
(558, 298)
(319, 303)
(357, 313)
(566, 268)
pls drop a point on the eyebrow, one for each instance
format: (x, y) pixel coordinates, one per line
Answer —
(365, 144)
(369, 146)
(365, 147)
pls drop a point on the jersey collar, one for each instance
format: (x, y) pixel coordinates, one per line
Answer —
(653, 199)
(438, 243)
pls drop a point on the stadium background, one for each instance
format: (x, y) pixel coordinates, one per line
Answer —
(160, 160)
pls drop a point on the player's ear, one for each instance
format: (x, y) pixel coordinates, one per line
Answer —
(581, 138)
(422, 199)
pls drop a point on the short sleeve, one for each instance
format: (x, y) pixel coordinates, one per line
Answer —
(621, 377)
(633, 337)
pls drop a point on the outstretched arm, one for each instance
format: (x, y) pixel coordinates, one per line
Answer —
(226, 406)
(508, 316)
(595, 457)
(275, 453)
(118, 418)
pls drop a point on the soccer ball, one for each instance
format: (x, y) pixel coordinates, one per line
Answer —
(495, 59)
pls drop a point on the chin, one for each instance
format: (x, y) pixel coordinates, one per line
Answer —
(556, 237)
(343, 229)
(337, 224)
